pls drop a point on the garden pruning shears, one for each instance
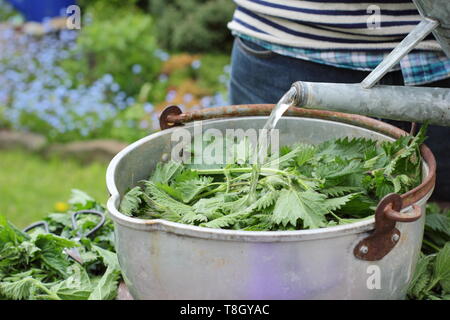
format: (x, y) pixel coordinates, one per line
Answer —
(73, 252)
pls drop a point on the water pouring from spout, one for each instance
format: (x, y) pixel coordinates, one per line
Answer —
(286, 101)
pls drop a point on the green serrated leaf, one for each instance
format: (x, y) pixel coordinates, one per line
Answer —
(307, 186)
(189, 189)
(106, 288)
(109, 258)
(19, 290)
(224, 221)
(307, 206)
(336, 203)
(438, 222)
(442, 268)
(420, 278)
(338, 191)
(131, 201)
(173, 209)
(166, 171)
(81, 200)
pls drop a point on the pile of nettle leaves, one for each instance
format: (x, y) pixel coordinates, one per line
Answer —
(308, 186)
(34, 266)
(431, 279)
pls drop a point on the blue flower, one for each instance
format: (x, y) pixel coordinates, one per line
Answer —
(188, 97)
(148, 107)
(143, 124)
(196, 64)
(162, 55)
(155, 122)
(163, 78)
(107, 78)
(171, 95)
(115, 87)
(137, 68)
(206, 101)
(219, 100)
(33, 83)
(130, 101)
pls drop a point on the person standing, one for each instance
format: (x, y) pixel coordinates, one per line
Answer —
(280, 42)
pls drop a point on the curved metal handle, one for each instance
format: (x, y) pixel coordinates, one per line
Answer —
(170, 111)
(410, 216)
(424, 28)
(98, 226)
(42, 224)
(386, 235)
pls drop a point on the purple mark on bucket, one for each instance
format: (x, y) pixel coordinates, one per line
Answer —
(278, 274)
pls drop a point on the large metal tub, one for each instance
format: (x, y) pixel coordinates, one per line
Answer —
(166, 260)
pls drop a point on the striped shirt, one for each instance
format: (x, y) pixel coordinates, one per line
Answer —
(419, 67)
(329, 24)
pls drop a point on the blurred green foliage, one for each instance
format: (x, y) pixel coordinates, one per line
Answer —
(123, 39)
(134, 122)
(181, 25)
(115, 44)
(207, 75)
(213, 67)
(107, 5)
(193, 25)
(7, 11)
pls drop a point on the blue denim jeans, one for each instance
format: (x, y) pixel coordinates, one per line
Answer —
(262, 76)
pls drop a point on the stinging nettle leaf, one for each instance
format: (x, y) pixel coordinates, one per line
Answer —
(34, 266)
(438, 222)
(307, 186)
(131, 201)
(442, 267)
(308, 206)
(81, 200)
(188, 189)
(166, 171)
(421, 277)
(106, 288)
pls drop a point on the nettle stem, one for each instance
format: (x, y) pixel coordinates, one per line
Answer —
(50, 294)
(261, 170)
(221, 188)
(239, 170)
(430, 244)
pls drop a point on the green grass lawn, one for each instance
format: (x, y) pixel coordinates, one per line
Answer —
(30, 185)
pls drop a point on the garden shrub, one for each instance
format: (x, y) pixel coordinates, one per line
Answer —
(122, 44)
(6, 10)
(37, 94)
(101, 81)
(102, 5)
(193, 25)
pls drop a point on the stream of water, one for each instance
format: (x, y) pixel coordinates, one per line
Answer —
(286, 101)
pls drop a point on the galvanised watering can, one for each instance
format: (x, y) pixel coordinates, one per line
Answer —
(415, 104)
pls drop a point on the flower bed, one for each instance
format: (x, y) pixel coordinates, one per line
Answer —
(77, 85)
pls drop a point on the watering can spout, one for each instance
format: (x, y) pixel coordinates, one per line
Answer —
(415, 104)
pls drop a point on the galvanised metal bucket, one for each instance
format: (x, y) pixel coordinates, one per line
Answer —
(167, 260)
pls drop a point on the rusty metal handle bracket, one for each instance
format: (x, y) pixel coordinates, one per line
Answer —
(164, 122)
(386, 235)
